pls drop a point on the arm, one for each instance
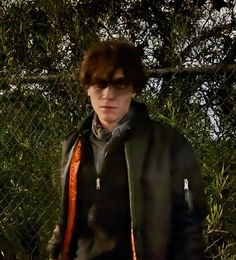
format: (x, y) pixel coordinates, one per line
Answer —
(55, 243)
(188, 203)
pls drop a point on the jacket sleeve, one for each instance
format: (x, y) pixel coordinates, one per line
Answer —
(55, 243)
(188, 203)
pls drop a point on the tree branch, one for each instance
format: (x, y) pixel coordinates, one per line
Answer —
(193, 71)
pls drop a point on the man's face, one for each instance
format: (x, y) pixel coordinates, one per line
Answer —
(111, 100)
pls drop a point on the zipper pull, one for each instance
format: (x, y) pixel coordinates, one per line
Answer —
(186, 188)
(98, 183)
(188, 197)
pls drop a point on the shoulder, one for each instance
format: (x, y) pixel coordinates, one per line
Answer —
(82, 130)
(68, 142)
(176, 141)
(166, 131)
(72, 136)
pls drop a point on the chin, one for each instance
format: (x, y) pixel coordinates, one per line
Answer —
(110, 120)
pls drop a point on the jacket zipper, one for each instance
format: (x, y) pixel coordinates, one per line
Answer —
(131, 203)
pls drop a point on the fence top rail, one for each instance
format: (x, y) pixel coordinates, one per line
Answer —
(193, 71)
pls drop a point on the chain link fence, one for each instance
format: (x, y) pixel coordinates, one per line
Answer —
(36, 113)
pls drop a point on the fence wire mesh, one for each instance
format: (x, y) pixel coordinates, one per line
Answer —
(36, 113)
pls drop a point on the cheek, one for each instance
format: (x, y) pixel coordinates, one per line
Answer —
(93, 101)
(126, 102)
(91, 95)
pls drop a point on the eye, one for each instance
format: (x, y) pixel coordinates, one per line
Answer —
(120, 83)
(99, 84)
(119, 86)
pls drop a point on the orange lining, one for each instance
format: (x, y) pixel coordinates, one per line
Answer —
(72, 205)
(133, 245)
(71, 200)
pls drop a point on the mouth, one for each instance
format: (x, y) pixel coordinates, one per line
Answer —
(108, 107)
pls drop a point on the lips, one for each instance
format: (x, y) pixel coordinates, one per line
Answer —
(108, 107)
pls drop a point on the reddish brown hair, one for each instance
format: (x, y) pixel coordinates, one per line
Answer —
(104, 58)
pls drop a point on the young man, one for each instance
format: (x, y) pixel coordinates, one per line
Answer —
(131, 186)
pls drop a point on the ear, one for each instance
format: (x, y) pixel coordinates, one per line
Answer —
(133, 95)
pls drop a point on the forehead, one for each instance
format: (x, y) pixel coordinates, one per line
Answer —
(118, 73)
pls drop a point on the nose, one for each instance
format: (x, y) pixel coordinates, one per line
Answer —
(108, 93)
